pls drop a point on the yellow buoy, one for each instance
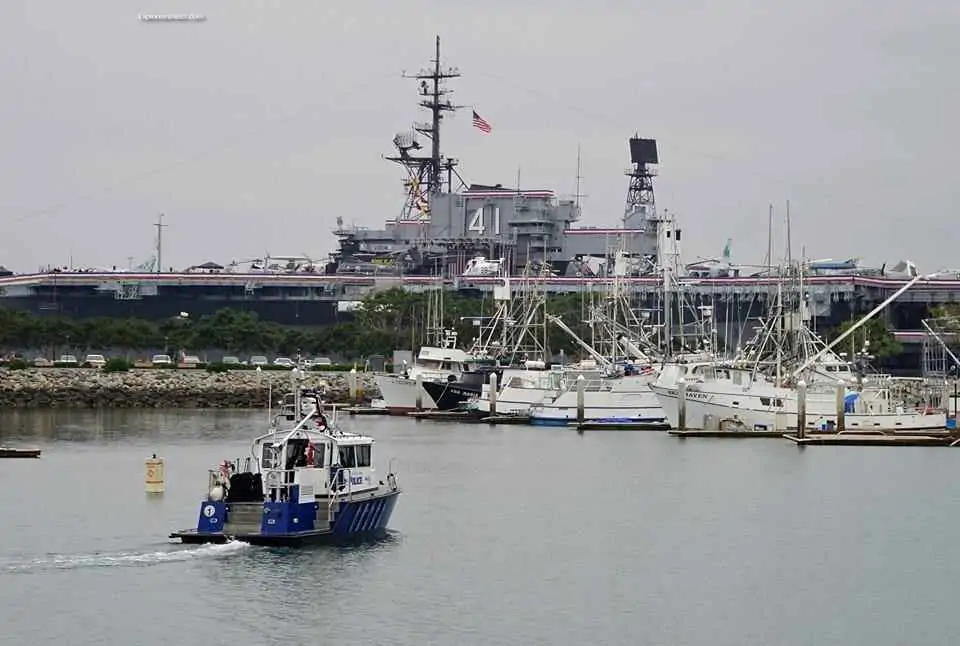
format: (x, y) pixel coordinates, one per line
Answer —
(153, 480)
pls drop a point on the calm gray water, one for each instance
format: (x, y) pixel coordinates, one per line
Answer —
(505, 535)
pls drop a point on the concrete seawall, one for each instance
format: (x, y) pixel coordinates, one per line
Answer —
(147, 388)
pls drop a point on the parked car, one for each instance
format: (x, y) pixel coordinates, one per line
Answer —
(161, 360)
(258, 360)
(231, 361)
(190, 361)
(285, 362)
(68, 359)
(95, 361)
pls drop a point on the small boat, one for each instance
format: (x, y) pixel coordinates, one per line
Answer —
(10, 452)
(454, 394)
(305, 482)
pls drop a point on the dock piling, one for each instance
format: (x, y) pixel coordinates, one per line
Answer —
(841, 406)
(801, 409)
(493, 394)
(681, 404)
(352, 384)
(419, 392)
(581, 395)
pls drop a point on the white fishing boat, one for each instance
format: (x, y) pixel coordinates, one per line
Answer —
(625, 400)
(755, 392)
(402, 394)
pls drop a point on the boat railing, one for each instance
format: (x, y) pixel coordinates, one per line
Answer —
(340, 486)
(220, 476)
(279, 482)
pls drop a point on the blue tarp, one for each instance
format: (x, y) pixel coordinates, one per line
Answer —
(849, 400)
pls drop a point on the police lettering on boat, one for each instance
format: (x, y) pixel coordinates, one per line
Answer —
(305, 481)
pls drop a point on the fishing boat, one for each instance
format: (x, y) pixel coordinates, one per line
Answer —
(305, 482)
(10, 452)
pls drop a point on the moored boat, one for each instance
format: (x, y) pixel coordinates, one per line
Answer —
(305, 482)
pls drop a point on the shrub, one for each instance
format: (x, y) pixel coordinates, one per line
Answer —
(218, 367)
(17, 364)
(117, 364)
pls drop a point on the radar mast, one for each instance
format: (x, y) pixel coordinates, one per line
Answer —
(426, 175)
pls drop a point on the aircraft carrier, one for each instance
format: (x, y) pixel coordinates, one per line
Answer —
(445, 224)
(455, 233)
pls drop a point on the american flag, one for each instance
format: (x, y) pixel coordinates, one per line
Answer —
(480, 122)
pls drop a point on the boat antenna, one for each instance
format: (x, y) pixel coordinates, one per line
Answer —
(576, 195)
(160, 227)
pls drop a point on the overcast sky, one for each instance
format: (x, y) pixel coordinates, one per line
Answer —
(252, 131)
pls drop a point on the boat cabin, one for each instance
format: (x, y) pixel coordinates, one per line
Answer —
(312, 460)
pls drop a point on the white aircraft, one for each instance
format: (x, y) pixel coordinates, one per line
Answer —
(480, 266)
(715, 267)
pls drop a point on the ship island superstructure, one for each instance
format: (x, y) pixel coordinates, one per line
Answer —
(444, 223)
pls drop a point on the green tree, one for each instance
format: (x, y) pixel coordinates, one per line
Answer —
(882, 344)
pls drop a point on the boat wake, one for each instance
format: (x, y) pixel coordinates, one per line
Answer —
(122, 559)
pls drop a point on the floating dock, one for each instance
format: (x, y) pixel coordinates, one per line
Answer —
(365, 410)
(445, 415)
(506, 419)
(9, 452)
(724, 434)
(620, 426)
(872, 439)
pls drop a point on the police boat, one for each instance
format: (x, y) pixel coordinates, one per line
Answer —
(305, 482)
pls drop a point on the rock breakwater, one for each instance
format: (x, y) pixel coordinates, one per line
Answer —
(90, 388)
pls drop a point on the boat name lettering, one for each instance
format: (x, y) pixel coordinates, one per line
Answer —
(693, 394)
(356, 479)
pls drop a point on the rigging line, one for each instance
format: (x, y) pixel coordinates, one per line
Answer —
(592, 115)
(226, 144)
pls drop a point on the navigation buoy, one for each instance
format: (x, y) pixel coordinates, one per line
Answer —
(153, 480)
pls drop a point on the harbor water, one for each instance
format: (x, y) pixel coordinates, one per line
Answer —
(503, 535)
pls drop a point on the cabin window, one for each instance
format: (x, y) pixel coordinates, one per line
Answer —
(347, 457)
(318, 451)
(779, 403)
(270, 458)
(765, 401)
(831, 368)
(363, 455)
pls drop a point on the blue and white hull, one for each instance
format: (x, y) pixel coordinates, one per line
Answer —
(295, 523)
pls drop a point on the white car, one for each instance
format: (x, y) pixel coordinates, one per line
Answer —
(161, 360)
(95, 360)
(285, 362)
(258, 360)
(68, 359)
